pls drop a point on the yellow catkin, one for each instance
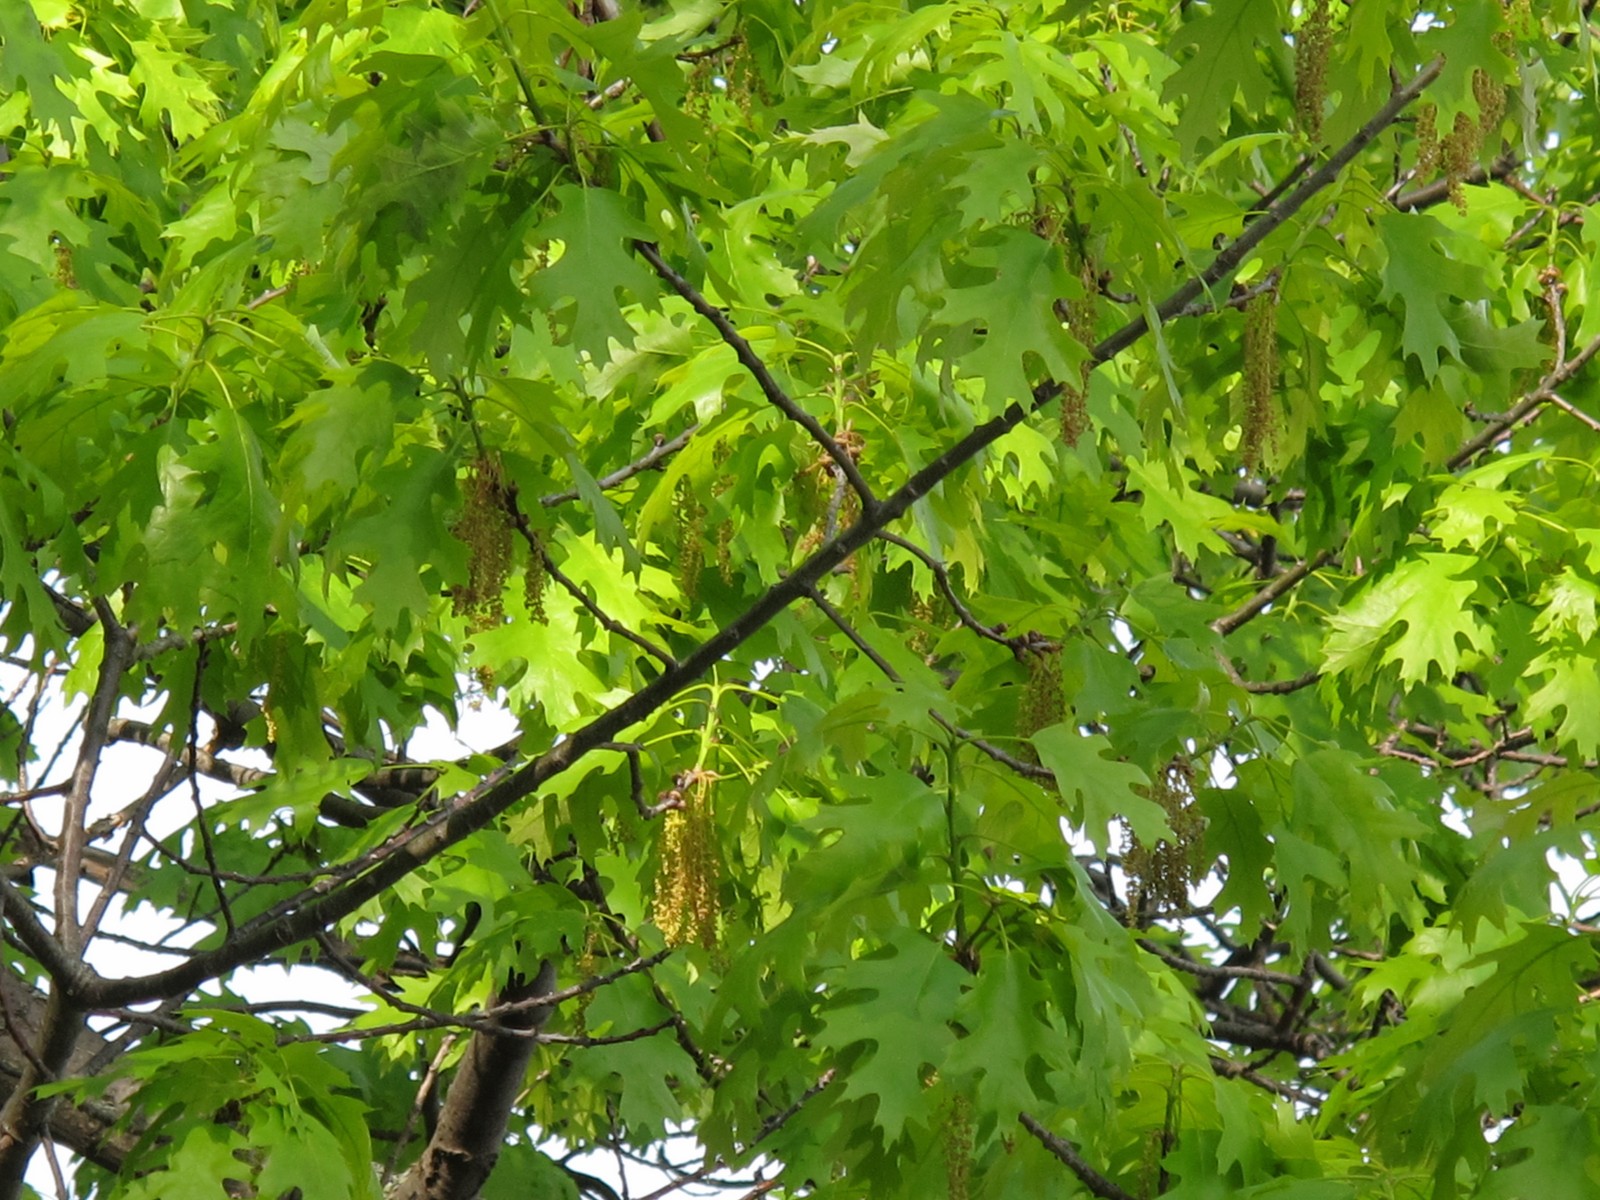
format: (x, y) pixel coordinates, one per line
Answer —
(690, 514)
(535, 579)
(955, 1135)
(1427, 141)
(725, 552)
(65, 275)
(485, 528)
(1082, 317)
(1459, 153)
(1043, 701)
(1313, 39)
(1491, 98)
(686, 909)
(1163, 873)
(1259, 383)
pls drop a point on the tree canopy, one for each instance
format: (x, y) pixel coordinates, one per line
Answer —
(1044, 557)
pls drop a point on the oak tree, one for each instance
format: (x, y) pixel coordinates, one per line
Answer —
(1041, 561)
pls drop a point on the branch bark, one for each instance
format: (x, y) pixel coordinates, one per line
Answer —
(472, 1125)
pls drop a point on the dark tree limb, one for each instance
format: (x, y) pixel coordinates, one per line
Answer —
(1096, 1183)
(24, 1118)
(652, 459)
(843, 461)
(471, 1129)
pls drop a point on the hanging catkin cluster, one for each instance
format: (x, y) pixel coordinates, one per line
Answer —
(955, 1133)
(1082, 317)
(1259, 384)
(1043, 701)
(1458, 152)
(485, 529)
(1163, 873)
(65, 275)
(1519, 17)
(686, 905)
(691, 518)
(730, 71)
(534, 581)
(1491, 98)
(1312, 41)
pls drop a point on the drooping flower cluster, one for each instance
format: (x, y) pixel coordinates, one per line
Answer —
(687, 909)
(485, 528)
(690, 515)
(1259, 384)
(1043, 702)
(1163, 873)
(1312, 41)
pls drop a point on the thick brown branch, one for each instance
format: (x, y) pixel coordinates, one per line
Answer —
(25, 1117)
(471, 1129)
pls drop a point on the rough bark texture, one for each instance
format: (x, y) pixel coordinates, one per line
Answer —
(84, 1127)
(24, 1117)
(472, 1124)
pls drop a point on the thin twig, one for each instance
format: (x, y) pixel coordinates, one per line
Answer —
(1094, 1182)
(1259, 602)
(430, 1079)
(116, 654)
(1279, 687)
(753, 363)
(568, 585)
(1020, 766)
(182, 641)
(1572, 411)
(941, 577)
(202, 825)
(854, 634)
(632, 750)
(1235, 1070)
(1215, 971)
(1525, 409)
(652, 459)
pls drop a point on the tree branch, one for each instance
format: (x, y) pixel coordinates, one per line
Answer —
(471, 1129)
(116, 655)
(1259, 602)
(751, 361)
(536, 546)
(1096, 1183)
(941, 577)
(656, 455)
